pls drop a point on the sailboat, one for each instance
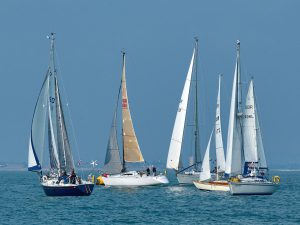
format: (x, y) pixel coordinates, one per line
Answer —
(117, 172)
(206, 180)
(49, 116)
(174, 161)
(246, 164)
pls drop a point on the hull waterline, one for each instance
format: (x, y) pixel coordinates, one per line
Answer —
(212, 185)
(252, 188)
(134, 179)
(72, 190)
(187, 178)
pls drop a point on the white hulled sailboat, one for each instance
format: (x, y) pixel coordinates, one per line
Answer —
(206, 180)
(116, 171)
(188, 174)
(49, 116)
(245, 161)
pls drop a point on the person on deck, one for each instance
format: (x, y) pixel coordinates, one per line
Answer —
(72, 177)
(148, 171)
(154, 170)
(63, 177)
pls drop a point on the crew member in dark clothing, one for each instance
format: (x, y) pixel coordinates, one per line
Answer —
(72, 177)
(154, 170)
(148, 171)
(63, 177)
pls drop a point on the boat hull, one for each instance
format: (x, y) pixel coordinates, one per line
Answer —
(212, 185)
(134, 179)
(68, 190)
(187, 178)
(252, 188)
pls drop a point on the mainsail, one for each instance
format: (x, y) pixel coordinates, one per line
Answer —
(249, 128)
(173, 160)
(234, 137)
(218, 135)
(253, 146)
(131, 148)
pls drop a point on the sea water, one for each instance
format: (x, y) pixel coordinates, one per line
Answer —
(22, 201)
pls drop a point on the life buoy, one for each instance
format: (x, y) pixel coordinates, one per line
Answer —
(276, 179)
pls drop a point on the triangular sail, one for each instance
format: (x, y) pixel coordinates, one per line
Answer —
(218, 135)
(249, 128)
(131, 148)
(205, 167)
(177, 135)
(112, 164)
(234, 137)
(38, 126)
(262, 162)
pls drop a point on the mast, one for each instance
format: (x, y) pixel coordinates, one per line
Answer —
(234, 136)
(197, 147)
(123, 151)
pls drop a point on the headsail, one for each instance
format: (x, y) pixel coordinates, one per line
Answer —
(38, 126)
(218, 135)
(177, 135)
(205, 167)
(131, 148)
(112, 164)
(234, 136)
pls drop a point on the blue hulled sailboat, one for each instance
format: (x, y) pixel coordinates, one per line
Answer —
(49, 127)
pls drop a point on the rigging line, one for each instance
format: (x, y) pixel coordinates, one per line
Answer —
(69, 112)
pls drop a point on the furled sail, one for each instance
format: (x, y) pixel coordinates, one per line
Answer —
(218, 135)
(38, 126)
(205, 167)
(131, 148)
(177, 135)
(249, 128)
(234, 137)
(112, 164)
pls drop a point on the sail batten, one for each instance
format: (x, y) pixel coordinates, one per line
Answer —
(131, 148)
(174, 154)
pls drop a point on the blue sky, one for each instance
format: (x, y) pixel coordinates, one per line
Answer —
(158, 37)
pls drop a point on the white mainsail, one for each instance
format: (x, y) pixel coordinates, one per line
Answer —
(249, 127)
(173, 160)
(205, 167)
(234, 136)
(218, 135)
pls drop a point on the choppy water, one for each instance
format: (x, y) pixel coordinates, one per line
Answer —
(22, 201)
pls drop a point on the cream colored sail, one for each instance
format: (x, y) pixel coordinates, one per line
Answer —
(131, 148)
